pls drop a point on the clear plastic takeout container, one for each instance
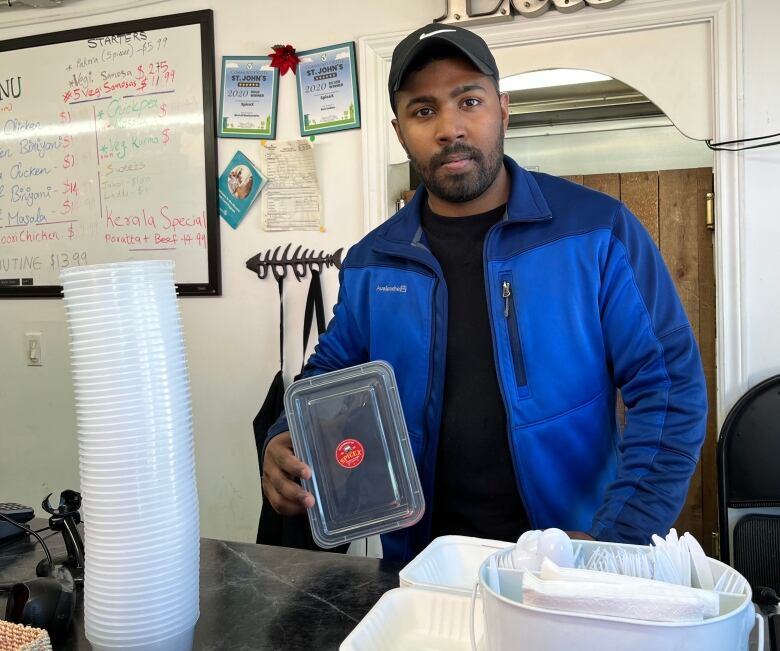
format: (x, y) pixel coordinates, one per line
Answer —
(348, 427)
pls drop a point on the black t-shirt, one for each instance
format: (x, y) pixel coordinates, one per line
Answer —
(475, 492)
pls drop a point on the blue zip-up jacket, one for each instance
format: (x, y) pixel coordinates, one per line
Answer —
(580, 303)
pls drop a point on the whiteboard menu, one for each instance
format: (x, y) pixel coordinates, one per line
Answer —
(107, 152)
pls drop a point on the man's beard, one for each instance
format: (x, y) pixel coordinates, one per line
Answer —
(460, 188)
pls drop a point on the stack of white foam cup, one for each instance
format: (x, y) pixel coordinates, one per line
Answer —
(136, 459)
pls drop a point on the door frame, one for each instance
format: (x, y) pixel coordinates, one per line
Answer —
(724, 21)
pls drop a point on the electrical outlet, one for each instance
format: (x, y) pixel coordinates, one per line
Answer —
(33, 349)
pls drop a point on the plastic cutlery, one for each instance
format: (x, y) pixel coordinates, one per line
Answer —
(701, 564)
(731, 581)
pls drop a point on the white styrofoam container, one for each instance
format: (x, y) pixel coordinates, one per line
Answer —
(508, 620)
(450, 563)
(406, 619)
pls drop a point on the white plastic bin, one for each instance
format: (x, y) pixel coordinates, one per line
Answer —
(507, 621)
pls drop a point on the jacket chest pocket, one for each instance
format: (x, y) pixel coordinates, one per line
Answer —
(512, 332)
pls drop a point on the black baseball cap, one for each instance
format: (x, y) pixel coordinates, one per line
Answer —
(466, 42)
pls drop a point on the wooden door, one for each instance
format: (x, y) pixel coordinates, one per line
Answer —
(671, 204)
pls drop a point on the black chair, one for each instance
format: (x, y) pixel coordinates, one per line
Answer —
(749, 486)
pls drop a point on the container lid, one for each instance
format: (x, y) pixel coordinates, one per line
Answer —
(348, 427)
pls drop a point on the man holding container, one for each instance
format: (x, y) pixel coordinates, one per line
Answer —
(512, 306)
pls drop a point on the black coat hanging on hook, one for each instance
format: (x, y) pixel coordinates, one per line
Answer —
(301, 262)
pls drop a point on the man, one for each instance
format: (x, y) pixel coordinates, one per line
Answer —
(524, 301)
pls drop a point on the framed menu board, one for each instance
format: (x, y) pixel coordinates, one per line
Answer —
(107, 152)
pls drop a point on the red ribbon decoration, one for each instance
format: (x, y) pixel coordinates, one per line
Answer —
(284, 58)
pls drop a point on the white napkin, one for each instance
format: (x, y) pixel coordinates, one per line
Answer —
(614, 595)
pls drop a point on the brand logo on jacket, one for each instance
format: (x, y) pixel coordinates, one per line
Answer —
(401, 289)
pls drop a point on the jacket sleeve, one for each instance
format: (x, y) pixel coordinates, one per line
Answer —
(651, 348)
(340, 346)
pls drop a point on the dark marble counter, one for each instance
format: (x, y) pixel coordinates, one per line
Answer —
(254, 597)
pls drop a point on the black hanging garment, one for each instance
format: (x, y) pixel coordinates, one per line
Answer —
(276, 529)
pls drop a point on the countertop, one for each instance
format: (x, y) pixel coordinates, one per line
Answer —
(253, 596)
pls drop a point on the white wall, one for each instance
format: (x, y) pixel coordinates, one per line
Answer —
(761, 237)
(232, 341)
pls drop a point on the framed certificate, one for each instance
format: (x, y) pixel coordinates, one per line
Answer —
(250, 87)
(328, 90)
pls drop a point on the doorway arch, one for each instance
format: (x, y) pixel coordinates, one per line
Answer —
(685, 56)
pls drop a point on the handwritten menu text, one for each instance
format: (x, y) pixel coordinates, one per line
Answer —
(101, 154)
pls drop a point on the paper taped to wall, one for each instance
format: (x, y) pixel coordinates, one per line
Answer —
(291, 201)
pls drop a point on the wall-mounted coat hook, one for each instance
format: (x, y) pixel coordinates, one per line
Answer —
(300, 262)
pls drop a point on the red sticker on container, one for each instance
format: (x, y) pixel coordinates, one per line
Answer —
(350, 453)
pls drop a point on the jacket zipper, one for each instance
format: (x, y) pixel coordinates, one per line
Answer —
(502, 388)
(429, 388)
(514, 333)
(434, 332)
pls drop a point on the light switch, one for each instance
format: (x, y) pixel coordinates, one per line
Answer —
(34, 348)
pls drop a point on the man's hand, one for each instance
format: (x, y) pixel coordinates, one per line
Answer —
(280, 468)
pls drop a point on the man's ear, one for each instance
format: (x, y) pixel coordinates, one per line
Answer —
(503, 99)
(397, 128)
